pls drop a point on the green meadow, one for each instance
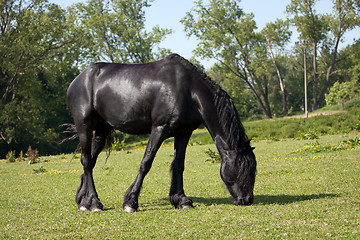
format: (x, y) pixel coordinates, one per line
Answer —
(305, 189)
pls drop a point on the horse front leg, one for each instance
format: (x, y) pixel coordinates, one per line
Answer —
(177, 195)
(131, 196)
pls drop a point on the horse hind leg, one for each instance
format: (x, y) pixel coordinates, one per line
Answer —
(177, 195)
(92, 143)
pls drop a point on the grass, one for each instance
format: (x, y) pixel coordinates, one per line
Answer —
(298, 195)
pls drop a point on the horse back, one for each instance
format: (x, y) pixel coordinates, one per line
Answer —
(135, 97)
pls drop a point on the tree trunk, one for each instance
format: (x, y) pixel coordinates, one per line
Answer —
(265, 107)
(281, 81)
(315, 104)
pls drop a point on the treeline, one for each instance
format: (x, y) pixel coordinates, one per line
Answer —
(43, 47)
(260, 68)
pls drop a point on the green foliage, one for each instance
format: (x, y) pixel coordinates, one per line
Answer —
(118, 145)
(21, 157)
(351, 142)
(41, 48)
(114, 31)
(225, 32)
(317, 147)
(10, 157)
(32, 156)
(308, 136)
(324, 31)
(341, 92)
(309, 128)
(41, 169)
(36, 67)
(310, 25)
(213, 156)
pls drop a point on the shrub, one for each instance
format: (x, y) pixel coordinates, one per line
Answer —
(10, 157)
(318, 147)
(352, 142)
(118, 145)
(21, 157)
(213, 156)
(308, 136)
(32, 156)
(41, 169)
(340, 92)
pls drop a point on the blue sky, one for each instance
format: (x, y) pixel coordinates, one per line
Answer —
(168, 13)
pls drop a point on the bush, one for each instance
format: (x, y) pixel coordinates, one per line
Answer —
(340, 92)
(118, 145)
(32, 156)
(213, 156)
(10, 157)
(41, 169)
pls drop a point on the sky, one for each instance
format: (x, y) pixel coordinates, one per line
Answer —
(168, 13)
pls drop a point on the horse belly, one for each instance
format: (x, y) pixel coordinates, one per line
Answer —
(134, 127)
(125, 119)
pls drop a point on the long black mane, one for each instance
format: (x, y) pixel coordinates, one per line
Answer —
(229, 120)
(228, 115)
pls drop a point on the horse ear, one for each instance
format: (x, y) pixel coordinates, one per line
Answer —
(245, 147)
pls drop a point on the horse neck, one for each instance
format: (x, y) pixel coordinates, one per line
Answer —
(221, 119)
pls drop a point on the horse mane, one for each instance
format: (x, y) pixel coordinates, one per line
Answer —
(228, 115)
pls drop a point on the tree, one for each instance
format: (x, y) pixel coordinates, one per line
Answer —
(228, 34)
(34, 38)
(277, 35)
(41, 48)
(315, 28)
(350, 66)
(312, 27)
(114, 31)
(344, 18)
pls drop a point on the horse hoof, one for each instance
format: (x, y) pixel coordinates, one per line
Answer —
(82, 208)
(96, 210)
(186, 207)
(129, 209)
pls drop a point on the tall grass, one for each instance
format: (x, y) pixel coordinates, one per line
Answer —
(298, 128)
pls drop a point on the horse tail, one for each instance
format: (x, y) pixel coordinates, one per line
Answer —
(71, 129)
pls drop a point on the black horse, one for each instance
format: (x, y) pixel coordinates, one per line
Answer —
(166, 98)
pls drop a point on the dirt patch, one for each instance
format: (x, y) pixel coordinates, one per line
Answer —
(318, 114)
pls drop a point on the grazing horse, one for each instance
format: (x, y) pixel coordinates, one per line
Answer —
(165, 98)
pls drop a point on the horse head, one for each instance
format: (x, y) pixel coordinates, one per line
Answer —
(238, 170)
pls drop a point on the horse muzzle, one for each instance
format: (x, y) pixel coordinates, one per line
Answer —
(244, 201)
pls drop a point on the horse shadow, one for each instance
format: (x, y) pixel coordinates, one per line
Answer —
(258, 200)
(265, 199)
